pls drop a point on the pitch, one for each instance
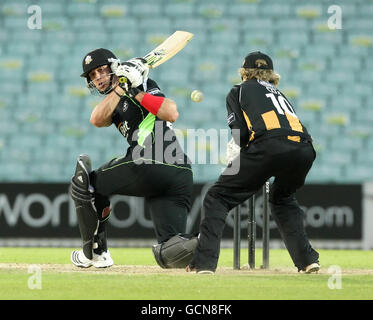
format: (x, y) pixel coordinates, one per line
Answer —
(46, 273)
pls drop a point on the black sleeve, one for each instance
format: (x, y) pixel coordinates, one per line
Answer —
(236, 119)
(115, 117)
(153, 88)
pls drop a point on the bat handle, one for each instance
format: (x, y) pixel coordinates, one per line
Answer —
(124, 83)
(123, 80)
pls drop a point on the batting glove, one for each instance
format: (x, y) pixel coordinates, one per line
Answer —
(135, 70)
(114, 64)
(141, 65)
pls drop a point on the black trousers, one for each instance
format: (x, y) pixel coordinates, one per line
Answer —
(167, 188)
(286, 160)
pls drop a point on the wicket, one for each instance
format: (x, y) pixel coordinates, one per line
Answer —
(251, 230)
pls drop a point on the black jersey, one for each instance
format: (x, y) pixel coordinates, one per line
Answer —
(143, 129)
(259, 109)
(130, 117)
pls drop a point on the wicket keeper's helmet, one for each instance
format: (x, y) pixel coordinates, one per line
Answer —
(251, 61)
(95, 59)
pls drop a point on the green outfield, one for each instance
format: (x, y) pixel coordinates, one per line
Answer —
(46, 273)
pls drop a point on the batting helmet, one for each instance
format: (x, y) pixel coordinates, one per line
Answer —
(95, 59)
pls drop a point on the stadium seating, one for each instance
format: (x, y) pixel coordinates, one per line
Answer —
(45, 106)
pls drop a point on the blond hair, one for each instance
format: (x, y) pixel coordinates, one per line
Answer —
(260, 74)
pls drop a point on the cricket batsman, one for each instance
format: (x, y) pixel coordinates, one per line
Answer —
(272, 142)
(154, 166)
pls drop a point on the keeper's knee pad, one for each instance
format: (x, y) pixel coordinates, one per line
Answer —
(177, 252)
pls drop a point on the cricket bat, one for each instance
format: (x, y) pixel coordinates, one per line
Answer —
(168, 48)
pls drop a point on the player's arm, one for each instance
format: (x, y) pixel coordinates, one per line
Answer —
(235, 119)
(164, 108)
(101, 115)
(135, 72)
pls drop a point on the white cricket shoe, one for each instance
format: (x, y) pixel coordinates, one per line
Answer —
(311, 268)
(205, 272)
(194, 270)
(103, 260)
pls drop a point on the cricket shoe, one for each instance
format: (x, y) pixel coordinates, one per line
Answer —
(311, 268)
(191, 269)
(102, 260)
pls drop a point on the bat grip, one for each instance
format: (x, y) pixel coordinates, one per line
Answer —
(123, 80)
(124, 83)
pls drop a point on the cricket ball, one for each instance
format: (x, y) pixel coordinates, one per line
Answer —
(196, 96)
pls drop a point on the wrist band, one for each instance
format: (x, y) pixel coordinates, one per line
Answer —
(152, 103)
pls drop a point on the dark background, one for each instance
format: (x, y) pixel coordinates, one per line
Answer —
(54, 221)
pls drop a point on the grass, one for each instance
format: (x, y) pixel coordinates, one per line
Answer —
(356, 283)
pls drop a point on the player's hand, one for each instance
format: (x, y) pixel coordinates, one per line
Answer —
(141, 65)
(233, 150)
(132, 74)
(132, 69)
(125, 74)
(114, 64)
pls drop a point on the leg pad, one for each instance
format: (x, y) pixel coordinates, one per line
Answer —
(177, 252)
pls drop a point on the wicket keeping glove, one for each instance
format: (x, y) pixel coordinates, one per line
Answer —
(233, 150)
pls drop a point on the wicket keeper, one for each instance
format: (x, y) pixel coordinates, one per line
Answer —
(273, 143)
